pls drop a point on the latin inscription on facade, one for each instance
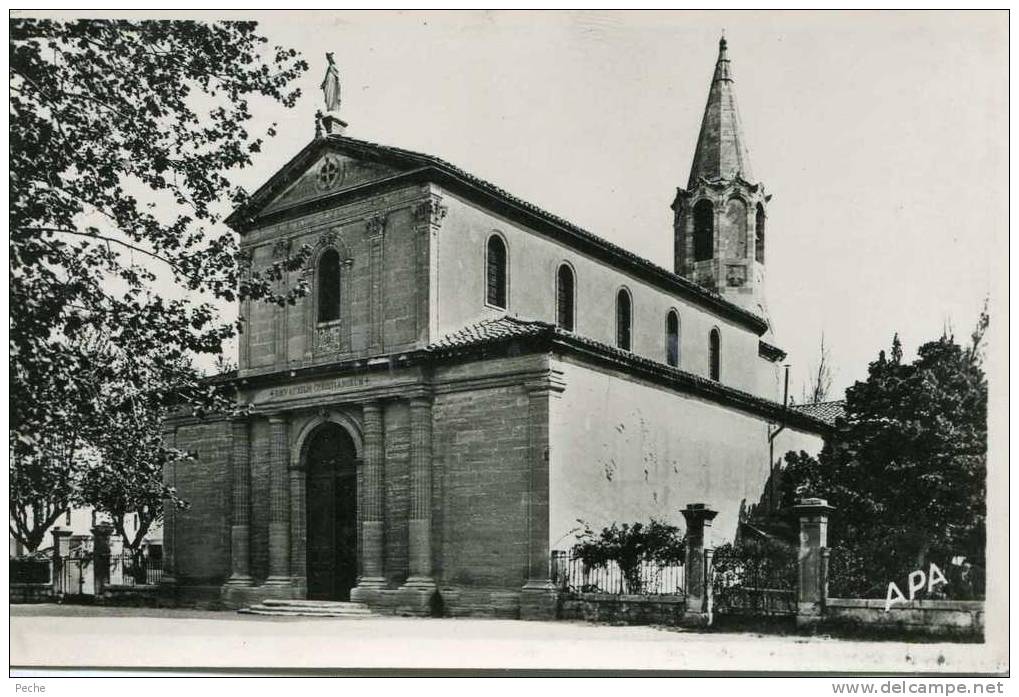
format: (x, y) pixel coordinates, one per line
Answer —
(307, 388)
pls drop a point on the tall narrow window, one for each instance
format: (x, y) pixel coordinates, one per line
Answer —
(672, 339)
(564, 297)
(624, 313)
(495, 272)
(703, 231)
(759, 241)
(329, 286)
(715, 355)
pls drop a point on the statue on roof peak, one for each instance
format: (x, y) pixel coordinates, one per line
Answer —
(331, 85)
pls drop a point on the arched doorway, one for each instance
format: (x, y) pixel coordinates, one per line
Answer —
(331, 513)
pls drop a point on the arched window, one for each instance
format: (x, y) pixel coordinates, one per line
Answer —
(672, 338)
(715, 355)
(624, 315)
(759, 243)
(495, 272)
(328, 286)
(703, 231)
(564, 297)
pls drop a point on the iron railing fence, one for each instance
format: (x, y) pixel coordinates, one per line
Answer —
(75, 576)
(76, 573)
(570, 574)
(135, 570)
(755, 578)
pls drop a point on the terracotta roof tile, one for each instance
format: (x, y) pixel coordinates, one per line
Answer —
(499, 329)
(827, 412)
(489, 331)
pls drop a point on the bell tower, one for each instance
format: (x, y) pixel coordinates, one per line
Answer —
(720, 217)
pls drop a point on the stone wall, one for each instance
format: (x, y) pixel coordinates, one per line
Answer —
(623, 449)
(383, 248)
(480, 441)
(201, 534)
(626, 609)
(963, 617)
(30, 593)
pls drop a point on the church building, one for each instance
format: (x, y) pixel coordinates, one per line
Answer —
(470, 376)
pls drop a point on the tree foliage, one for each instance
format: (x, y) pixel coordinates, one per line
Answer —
(629, 545)
(123, 135)
(906, 467)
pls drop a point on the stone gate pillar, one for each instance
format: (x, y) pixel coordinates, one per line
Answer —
(698, 562)
(417, 592)
(373, 515)
(240, 504)
(101, 557)
(279, 502)
(812, 589)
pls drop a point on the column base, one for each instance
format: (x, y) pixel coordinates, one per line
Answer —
(279, 581)
(417, 597)
(240, 580)
(808, 614)
(368, 590)
(539, 600)
(696, 619)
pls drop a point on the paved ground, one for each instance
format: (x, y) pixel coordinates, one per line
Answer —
(52, 635)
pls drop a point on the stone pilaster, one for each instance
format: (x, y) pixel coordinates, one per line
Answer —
(373, 517)
(698, 562)
(298, 529)
(420, 585)
(375, 227)
(428, 217)
(538, 597)
(812, 589)
(240, 504)
(279, 502)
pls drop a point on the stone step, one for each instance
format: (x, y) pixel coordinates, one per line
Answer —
(307, 608)
(277, 612)
(340, 604)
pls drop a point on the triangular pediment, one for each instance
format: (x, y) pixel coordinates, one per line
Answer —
(329, 173)
(327, 166)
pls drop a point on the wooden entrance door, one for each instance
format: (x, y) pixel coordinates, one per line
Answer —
(331, 514)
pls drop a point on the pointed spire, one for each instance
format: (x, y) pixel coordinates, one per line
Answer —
(721, 148)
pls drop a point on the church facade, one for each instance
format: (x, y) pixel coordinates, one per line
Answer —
(471, 375)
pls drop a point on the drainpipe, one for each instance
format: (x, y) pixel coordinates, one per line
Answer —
(771, 443)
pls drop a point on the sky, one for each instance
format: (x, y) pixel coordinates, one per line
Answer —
(881, 136)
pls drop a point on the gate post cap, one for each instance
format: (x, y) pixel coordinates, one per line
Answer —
(698, 512)
(812, 507)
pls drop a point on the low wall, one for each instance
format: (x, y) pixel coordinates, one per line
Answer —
(922, 616)
(466, 601)
(133, 596)
(627, 609)
(31, 593)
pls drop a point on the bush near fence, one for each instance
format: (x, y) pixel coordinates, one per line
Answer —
(572, 574)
